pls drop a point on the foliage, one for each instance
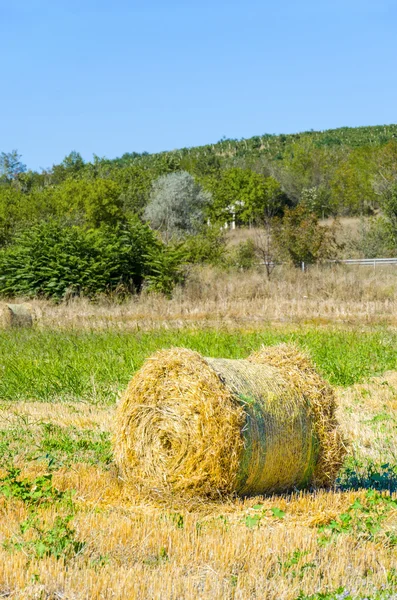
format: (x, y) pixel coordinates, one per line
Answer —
(176, 205)
(207, 246)
(302, 239)
(256, 515)
(11, 165)
(356, 476)
(70, 167)
(58, 541)
(53, 260)
(41, 541)
(375, 238)
(363, 519)
(164, 268)
(244, 196)
(58, 446)
(93, 203)
(243, 256)
(40, 491)
(352, 185)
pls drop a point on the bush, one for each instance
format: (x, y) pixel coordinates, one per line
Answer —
(53, 260)
(207, 247)
(243, 256)
(375, 239)
(301, 239)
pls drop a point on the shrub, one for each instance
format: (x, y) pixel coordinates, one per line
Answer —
(375, 239)
(301, 239)
(52, 260)
(208, 246)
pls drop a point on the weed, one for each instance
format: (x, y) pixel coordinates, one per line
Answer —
(34, 493)
(254, 520)
(157, 559)
(58, 541)
(362, 519)
(369, 475)
(291, 567)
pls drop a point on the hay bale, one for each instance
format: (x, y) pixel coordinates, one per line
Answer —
(209, 427)
(16, 315)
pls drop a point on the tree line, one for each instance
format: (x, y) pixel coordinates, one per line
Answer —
(132, 222)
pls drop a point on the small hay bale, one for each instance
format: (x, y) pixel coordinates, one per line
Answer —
(16, 315)
(207, 427)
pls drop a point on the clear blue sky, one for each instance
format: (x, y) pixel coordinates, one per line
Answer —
(109, 77)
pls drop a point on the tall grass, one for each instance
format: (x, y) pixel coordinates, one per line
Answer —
(50, 365)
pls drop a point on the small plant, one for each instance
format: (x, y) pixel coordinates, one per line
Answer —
(58, 541)
(254, 520)
(178, 520)
(291, 567)
(356, 475)
(38, 492)
(157, 559)
(363, 519)
(35, 539)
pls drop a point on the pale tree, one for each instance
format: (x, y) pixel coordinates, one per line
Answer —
(177, 205)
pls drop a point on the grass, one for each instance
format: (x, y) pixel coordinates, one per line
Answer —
(51, 365)
(57, 445)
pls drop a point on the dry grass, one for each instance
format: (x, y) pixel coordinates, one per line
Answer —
(140, 552)
(211, 297)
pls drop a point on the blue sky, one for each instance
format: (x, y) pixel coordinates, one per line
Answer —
(112, 77)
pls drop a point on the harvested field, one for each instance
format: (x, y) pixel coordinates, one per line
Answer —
(102, 543)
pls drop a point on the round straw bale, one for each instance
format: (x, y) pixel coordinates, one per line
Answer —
(16, 315)
(209, 427)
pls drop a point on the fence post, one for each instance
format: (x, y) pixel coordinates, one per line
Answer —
(303, 266)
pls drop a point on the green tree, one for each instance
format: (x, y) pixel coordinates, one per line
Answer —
(244, 196)
(136, 184)
(301, 239)
(71, 166)
(352, 188)
(11, 165)
(92, 203)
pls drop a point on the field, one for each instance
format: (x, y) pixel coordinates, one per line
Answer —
(70, 529)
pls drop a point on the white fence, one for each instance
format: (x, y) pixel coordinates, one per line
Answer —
(355, 262)
(366, 262)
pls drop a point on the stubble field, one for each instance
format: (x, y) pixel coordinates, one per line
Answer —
(71, 529)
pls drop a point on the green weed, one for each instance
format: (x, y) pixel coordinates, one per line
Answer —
(58, 541)
(40, 491)
(356, 475)
(363, 519)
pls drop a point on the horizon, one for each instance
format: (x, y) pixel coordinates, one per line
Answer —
(170, 150)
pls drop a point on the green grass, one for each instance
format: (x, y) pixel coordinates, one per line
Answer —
(95, 366)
